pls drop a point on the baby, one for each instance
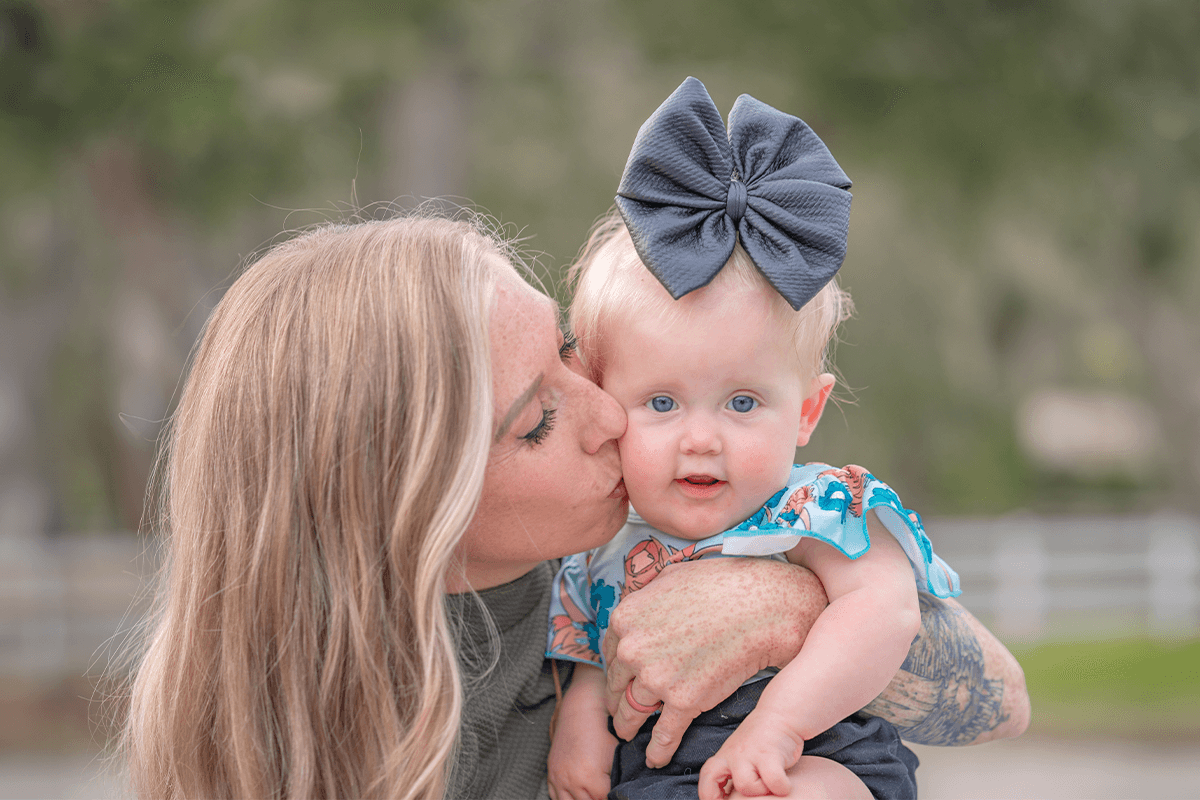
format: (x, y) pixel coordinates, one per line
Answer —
(722, 378)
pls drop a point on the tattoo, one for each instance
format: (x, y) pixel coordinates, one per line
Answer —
(942, 696)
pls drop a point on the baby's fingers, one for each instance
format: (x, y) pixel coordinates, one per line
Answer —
(579, 787)
(748, 783)
(755, 780)
(775, 778)
(715, 777)
(575, 793)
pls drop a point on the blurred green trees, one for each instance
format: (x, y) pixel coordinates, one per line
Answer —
(1024, 224)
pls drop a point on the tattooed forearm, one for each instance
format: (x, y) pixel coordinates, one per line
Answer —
(958, 685)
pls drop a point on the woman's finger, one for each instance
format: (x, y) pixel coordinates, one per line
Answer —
(617, 672)
(638, 705)
(668, 731)
(627, 720)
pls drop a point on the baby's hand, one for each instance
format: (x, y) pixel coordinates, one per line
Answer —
(580, 762)
(754, 760)
(581, 752)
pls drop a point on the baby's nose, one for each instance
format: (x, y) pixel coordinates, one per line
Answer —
(701, 437)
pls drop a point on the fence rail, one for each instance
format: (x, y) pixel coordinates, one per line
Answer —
(66, 603)
(1033, 577)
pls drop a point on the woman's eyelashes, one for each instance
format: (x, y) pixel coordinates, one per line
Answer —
(567, 349)
(542, 429)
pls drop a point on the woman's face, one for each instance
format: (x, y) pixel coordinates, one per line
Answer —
(553, 483)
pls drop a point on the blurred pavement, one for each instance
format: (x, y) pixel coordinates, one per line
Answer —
(1034, 767)
(1031, 767)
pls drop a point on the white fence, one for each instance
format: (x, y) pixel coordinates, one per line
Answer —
(1038, 577)
(65, 602)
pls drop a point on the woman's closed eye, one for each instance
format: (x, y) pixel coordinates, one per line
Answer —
(742, 404)
(661, 403)
(542, 429)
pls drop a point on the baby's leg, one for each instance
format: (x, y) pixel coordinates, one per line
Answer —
(817, 778)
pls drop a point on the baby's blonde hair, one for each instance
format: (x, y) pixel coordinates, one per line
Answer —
(609, 287)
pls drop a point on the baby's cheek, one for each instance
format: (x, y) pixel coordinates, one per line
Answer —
(637, 458)
(766, 462)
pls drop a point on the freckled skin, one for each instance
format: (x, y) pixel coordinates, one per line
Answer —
(792, 593)
(553, 497)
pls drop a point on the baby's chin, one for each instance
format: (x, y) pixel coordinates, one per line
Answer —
(692, 529)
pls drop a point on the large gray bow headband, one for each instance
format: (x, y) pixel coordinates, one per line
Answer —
(690, 190)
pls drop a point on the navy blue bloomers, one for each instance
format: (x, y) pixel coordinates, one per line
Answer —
(868, 746)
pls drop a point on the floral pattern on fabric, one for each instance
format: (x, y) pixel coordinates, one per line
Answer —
(820, 501)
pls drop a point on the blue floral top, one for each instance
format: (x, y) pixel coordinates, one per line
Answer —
(820, 502)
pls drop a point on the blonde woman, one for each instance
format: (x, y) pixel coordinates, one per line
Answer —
(382, 440)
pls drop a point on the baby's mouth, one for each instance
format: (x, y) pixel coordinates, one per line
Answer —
(700, 480)
(700, 487)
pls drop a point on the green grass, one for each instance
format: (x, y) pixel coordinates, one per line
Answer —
(1140, 688)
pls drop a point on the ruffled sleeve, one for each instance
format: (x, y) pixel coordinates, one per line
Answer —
(829, 503)
(573, 634)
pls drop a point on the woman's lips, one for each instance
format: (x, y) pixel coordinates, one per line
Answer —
(699, 487)
(618, 492)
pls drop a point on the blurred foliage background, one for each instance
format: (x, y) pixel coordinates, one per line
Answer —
(1023, 248)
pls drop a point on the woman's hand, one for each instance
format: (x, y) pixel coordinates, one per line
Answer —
(696, 633)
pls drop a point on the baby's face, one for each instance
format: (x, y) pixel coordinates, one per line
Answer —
(714, 404)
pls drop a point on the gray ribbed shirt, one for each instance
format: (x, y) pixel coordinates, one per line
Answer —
(505, 734)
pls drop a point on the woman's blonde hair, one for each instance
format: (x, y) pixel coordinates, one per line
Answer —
(610, 287)
(326, 456)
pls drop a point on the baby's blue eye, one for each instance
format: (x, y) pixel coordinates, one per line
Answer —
(743, 404)
(662, 403)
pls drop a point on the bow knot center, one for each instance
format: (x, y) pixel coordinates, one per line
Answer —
(735, 201)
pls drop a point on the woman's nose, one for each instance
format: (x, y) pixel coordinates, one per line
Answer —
(700, 436)
(604, 419)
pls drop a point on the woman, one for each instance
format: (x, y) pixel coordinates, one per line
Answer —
(380, 419)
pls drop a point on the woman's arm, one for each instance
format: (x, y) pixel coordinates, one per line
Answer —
(958, 686)
(701, 628)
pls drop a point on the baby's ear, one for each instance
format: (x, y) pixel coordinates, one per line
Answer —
(813, 406)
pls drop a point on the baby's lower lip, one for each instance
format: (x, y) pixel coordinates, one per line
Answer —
(699, 491)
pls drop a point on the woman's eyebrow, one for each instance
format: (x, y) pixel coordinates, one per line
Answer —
(517, 405)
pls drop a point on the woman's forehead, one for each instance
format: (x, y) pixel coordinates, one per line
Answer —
(523, 319)
(514, 295)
